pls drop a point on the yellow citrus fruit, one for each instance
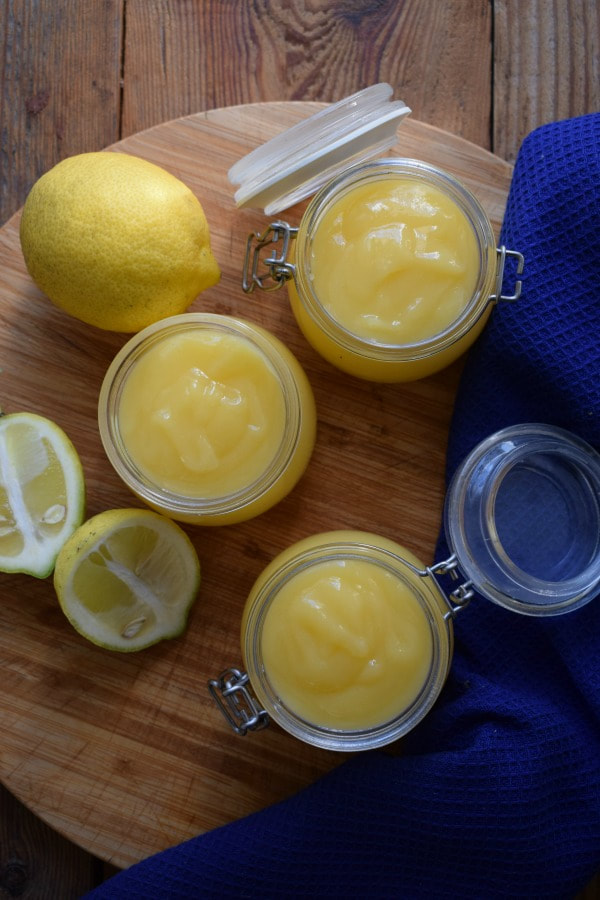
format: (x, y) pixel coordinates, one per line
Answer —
(42, 493)
(127, 579)
(116, 241)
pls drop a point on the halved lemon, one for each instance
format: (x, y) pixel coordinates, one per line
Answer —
(127, 579)
(42, 493)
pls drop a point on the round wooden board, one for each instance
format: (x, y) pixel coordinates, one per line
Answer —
(126, 754)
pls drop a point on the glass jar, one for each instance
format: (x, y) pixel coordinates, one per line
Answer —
(522, 519)
(209, 419)
(403, 286)
(342, 715)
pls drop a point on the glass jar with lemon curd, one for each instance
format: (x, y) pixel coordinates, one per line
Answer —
(347, 637)
(345, 645)
(393, 271)
(209, 419)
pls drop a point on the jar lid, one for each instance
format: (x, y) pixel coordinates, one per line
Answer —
(297, 162)
(522, 517)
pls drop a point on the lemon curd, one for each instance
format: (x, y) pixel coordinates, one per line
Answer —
(202, 413)
(211, 419)
(345, 644)
(394, 261)
(394, 268)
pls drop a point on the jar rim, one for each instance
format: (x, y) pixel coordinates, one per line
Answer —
(555, 465)
(469, 205)
(431, 601)
(174, 502)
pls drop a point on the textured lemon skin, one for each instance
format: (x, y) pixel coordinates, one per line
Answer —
(116, 241)
(86, 539)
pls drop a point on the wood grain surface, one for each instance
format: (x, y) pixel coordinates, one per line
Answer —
(546, 66)
(77, 75)
(125, 753)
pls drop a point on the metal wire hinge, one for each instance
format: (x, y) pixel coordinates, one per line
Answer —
(502, 253)
(232, 696)
(268, 273)
(460, 596)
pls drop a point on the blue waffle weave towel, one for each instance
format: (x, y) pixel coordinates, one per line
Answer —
(497, 793)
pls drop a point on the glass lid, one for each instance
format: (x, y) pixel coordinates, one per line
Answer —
(297, 162)
(522, 516)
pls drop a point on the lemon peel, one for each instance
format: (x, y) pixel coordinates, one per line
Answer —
(116, 241)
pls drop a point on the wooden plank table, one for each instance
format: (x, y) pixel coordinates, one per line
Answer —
(79, 76)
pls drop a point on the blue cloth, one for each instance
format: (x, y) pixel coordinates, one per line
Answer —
(497, 792)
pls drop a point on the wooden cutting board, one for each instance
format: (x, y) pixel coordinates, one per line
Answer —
(126, 754)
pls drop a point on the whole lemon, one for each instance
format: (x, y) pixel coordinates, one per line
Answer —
(116, 241)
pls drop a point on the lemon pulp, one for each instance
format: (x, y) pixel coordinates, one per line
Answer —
(42, 493)
(127, 578)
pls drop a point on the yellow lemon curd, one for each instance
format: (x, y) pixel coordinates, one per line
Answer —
(346, 643)
(393, 263)
(203, 414)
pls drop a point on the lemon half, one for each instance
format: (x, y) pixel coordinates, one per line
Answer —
(116, 241)
(42, 493)
(127, 579)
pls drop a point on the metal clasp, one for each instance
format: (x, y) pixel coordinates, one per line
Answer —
(460, 596)
(240, 708)
(502, 253)
(276, 269)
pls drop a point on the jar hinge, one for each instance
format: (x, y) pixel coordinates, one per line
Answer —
(460, 596)
(268, 273)
(502, 253)
(231, 694)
